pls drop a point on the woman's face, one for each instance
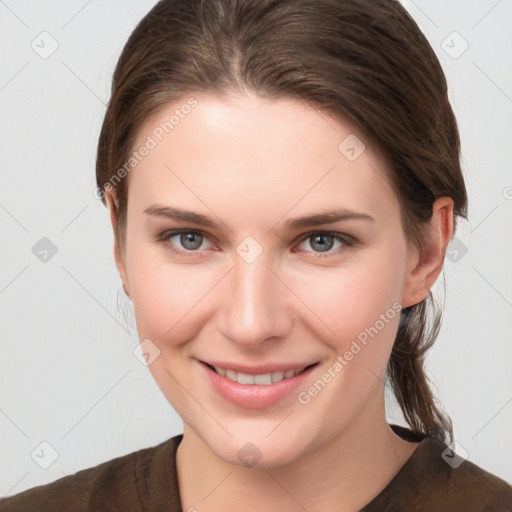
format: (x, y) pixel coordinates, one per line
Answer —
(259, 280)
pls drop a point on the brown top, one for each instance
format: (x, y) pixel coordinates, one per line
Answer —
(146, 480)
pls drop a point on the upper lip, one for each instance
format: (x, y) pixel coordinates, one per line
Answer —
(258, 369)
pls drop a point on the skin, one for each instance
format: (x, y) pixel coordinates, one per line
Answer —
(251, 164)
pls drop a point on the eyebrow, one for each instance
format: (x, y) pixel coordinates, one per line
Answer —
(327, 217)
(178, 214)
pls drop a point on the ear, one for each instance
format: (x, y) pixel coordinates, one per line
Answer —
(424, 268)
(112, 204)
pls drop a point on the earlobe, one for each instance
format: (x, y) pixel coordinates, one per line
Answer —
(427, 264)
(112, 205)
(126, 290)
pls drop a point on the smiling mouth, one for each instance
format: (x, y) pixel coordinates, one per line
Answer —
(264, 379)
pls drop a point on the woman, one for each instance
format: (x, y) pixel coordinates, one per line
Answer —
(283, 179)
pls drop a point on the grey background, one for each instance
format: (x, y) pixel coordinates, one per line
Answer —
(68, 374)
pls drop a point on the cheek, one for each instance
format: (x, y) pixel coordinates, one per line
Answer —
(359, 301)
(361, 305)
(166, 297)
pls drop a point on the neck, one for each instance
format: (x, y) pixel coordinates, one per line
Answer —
(345, 473)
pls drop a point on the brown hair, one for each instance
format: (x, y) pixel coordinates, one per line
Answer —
(366, 62)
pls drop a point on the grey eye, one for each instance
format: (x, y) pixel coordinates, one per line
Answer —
(191, 241)
(322, 242)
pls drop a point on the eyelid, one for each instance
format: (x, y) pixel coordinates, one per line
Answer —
(337, 234)
(178, 231)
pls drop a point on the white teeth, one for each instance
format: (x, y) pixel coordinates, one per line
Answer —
(230, 374)
(262, 379)
(244, 378)
(265, 379)
(277, 376)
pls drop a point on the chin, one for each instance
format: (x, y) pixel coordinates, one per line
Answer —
(260, 450)
(260, 456)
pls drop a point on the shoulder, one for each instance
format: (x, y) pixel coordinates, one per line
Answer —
(436, 478)
(122, 483)
(459, 484)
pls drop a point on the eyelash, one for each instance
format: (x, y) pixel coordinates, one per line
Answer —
(346, 240)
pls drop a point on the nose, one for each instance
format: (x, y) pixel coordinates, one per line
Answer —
(255, 304)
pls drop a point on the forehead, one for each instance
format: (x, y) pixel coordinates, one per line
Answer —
(246, 153)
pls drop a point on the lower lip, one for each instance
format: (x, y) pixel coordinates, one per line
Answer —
(254, 396)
